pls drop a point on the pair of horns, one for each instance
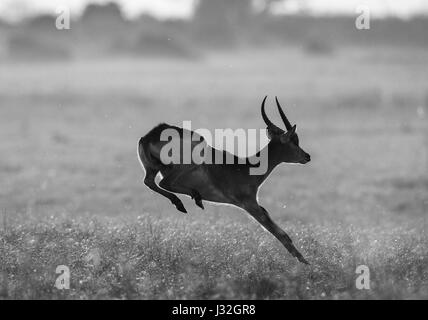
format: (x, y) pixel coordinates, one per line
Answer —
(269, 123)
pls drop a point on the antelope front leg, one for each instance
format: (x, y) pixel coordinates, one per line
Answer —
(262, 216)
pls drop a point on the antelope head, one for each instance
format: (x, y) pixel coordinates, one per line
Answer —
(285, 143)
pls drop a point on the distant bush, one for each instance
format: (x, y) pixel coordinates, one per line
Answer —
(223, 23)
(23, 47)
(101, 21)
(102, 12)
(43, 23)
(156, 44)
(317, 46)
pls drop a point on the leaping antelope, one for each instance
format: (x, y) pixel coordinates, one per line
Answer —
(223, 183)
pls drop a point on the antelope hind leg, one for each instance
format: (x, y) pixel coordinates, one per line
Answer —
(171, 183)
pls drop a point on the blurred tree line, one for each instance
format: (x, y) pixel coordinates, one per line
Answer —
(216, 24)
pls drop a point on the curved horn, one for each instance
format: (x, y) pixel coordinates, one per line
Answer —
(269, 123)
(284, 118)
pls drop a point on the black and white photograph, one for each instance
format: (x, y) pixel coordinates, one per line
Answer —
(213, 153)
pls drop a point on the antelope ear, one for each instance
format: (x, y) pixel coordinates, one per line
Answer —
(286, 136)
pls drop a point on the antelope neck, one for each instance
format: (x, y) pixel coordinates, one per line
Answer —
(273, 160)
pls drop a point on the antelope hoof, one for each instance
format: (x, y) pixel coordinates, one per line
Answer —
(299, 257)
(198, 199)
(303, 260)
(179, 205)
(199, 203)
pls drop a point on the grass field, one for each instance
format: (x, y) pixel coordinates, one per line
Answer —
(72, 193)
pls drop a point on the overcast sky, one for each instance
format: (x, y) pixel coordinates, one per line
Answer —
(12, 9)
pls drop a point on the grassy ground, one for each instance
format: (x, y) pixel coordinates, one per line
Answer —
(72, 192)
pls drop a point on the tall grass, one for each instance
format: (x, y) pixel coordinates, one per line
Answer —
(148, 258)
